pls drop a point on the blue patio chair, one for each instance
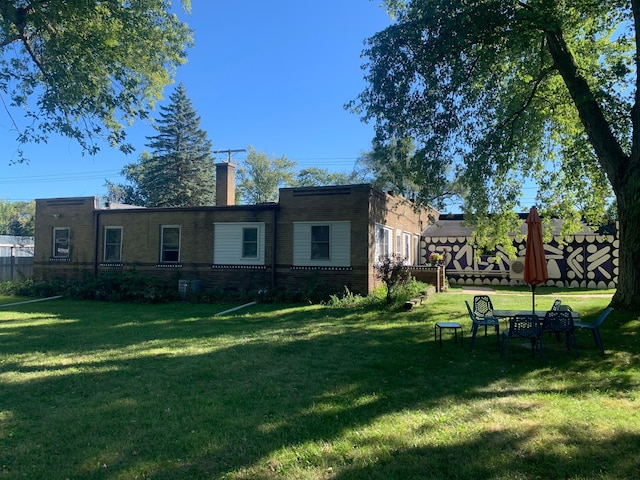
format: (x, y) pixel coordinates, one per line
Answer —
(482, 321)
(560, 321)
(482, 307)
(595, 327)
(526, 327)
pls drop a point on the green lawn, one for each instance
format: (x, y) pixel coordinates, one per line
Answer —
(111, 391)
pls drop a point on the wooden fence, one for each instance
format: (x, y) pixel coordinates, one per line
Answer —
(16, 260)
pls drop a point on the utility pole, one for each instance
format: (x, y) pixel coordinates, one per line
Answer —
(229, 152)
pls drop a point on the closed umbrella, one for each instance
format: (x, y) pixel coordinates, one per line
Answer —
(535, 262)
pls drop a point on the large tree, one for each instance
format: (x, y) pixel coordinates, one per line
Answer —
(498, 92)
(86, 69)
(319, 177)
(178, 171)
(260, 176)
(17, 218)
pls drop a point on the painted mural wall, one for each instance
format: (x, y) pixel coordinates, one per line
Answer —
(576, 261)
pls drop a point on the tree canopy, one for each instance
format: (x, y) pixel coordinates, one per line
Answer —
(498, 92)
(318, 177)
(178, 172)
(260, 176)
(86, 69)
(17, 218)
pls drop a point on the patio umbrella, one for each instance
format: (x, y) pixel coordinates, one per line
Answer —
(535, 262)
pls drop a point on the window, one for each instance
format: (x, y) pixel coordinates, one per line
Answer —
(239, 243)
(61, 242)
(383, 241)
(320, 235)
(112, 244)
(407, 247)
(250, 242)
(170, 244)
(321, 244)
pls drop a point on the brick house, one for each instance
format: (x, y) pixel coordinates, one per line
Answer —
(325, 237)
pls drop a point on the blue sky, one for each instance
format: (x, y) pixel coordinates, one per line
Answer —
(273, 75)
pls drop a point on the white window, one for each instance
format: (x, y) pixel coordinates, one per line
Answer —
(250, 242)
(170, 244)
(61, 243)
(238, 243)
(112, 244)
(322, 244)
(407, 248)
(382, 241)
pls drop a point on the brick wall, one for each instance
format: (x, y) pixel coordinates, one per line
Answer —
(361, 205)
(76, 214)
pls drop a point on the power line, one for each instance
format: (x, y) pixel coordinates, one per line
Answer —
(61, 177)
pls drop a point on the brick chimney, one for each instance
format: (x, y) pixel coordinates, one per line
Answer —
(225, 184)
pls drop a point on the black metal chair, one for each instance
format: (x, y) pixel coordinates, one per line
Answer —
(525, 327)
(482, 307)
(482, 321)
(595, 327)
(558, 322)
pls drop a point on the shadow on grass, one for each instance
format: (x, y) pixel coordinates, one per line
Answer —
(172, 392)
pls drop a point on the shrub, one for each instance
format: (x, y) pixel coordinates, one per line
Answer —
(393, 272)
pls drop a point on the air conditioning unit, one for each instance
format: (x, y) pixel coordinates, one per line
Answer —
(516, 269)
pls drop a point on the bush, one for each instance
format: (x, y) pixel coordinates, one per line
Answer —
(393, 272)
(113, 287)
(379, 298)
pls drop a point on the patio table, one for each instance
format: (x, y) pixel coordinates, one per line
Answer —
(539, 313)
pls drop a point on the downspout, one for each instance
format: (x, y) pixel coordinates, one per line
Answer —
(274, 247)
(95, 243)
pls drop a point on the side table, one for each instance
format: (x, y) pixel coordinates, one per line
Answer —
(448, 325)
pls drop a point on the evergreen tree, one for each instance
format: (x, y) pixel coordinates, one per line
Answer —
(178, 172)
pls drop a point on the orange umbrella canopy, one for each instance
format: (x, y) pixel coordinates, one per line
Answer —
(535, 262)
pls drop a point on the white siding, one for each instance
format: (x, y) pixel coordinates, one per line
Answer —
(339, 244)
(227, 243)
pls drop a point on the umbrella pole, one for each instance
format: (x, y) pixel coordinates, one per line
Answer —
(533, 298)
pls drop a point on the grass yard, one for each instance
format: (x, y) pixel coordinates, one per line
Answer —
(94, 390)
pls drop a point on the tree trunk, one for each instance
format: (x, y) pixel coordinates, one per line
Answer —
(623, 171)
(627, 296)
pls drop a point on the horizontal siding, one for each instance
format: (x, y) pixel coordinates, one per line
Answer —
(339, 244)
(227, 243)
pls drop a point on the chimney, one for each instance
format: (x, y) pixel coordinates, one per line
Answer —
(225, 184)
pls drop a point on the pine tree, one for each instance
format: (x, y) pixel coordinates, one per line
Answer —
(178, 171)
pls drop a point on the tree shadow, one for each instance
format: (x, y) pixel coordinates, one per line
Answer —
(127, 395)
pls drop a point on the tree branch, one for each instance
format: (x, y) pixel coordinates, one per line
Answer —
(607, 148)
(635, 110)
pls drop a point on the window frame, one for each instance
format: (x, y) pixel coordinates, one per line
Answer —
(246, 242)
(407, 251)
(317, 252)
(55, 242)
(164, 250)
(383, 241)
(106, 244)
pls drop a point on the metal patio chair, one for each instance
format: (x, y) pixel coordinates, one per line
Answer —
(482, 307)
(595, 327)
(527, 327)
(558, 322)
(482, 321)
